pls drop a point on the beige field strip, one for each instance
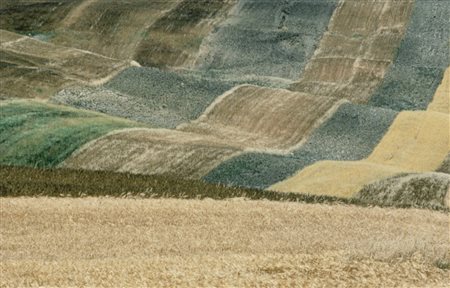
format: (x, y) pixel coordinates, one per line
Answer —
(153, 151)
(416, 142)
(357, 49)
(262, 118)
(35, 66)
(190, 243)
(110, 27)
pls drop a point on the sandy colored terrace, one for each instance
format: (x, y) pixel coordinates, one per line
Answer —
(263, 118)
(35, 69)
(356, 51)
(153, 151)
(136, 242)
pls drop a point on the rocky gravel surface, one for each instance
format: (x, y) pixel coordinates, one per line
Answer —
(267, 38)
(421, 59)
(160, 98)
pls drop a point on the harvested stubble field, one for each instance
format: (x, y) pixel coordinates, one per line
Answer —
(262, 118)
(153, 151)
(185, 243)
(37, 134)
(356, 50)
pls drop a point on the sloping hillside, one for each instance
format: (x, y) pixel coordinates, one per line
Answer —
(30, 68)
(42, 135)
(357, 49)
(416, 142)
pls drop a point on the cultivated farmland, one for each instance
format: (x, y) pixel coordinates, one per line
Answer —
(42, 135)
(224, 143)
(184, 243)
(35, 69)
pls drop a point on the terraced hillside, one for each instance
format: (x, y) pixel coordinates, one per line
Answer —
(263, 56)
(416, 142)
(34, 69)
(248, 135)
(357, 49)
(342, 104)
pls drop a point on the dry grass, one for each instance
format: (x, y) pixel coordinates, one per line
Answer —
(416, 141)
(357, 49)
(343, 178)
(262, 118)
(111, 242)
(153, 151)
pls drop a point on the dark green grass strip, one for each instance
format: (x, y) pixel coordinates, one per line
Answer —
(36, 182)
(25, 181)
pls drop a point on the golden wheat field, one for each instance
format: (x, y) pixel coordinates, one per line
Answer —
(192, 243)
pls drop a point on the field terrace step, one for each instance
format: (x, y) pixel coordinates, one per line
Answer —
(355, 52)
(263, 118)
(32, 68)
(153, 151)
